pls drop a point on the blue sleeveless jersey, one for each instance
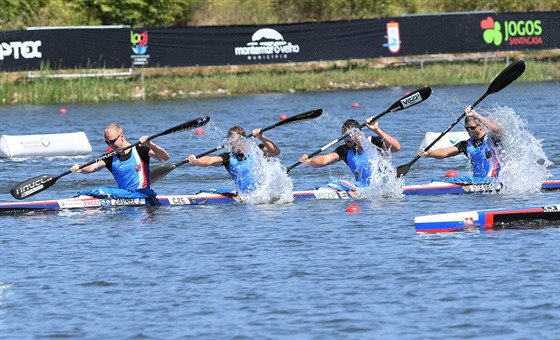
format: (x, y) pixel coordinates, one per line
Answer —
(240, 171)
(133, 173)
(483, 159)
(360, 167)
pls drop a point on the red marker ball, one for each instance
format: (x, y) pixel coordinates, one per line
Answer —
(356, 104)
(199, 132)
(406, 93)
(283, 117)
(352, 209)
(451, 173)
(63, 111)
(109, 149)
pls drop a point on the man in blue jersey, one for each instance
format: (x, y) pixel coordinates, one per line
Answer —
(352, 151)
(130, 167)
(239, 165)
(479, 148)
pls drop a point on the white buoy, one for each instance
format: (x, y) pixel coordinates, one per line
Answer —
(50, 145)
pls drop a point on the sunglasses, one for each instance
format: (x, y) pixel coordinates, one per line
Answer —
(471, 128)
(112, 141)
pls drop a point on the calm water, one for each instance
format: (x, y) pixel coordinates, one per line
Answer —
(305, 270)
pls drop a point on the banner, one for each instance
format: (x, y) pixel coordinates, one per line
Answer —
(123, 47)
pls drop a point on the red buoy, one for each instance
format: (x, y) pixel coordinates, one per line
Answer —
(283, 117)
(355, 104)
(199, 131)
(63, 111)
(451, 173)
(352, 209)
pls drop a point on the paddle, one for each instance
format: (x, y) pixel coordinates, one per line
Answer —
(506, 77)
(407, 101)
(40, 183)
(159, 171)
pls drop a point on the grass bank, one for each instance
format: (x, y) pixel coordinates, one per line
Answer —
(164, 83)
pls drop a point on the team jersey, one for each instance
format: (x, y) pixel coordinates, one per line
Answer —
(132, 170)
(358, 161)
(481, 155)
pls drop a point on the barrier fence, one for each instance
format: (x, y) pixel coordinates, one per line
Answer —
(126, 47)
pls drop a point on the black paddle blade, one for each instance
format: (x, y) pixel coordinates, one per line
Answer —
(302, 116)
(507, 76)
(411, 99)
(33, 186)
(185, 126)
(159, 171)
(402, 170)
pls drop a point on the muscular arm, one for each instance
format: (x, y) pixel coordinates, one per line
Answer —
(440, 153)
(156, 151)
(88, 169)
(320, 161)
(205, 161)
(389, 142)
(270, 149)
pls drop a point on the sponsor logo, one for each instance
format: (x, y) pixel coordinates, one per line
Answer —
(139, 42)
(393, 37)
(92, 203)
(23, 49)
(32, 187)
(267, 44)
(45, 142)
(139, 45)
(481, 187)
(522, 32)
(409, 101)
(550, 209)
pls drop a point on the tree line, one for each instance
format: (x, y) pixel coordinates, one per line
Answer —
(19, 14)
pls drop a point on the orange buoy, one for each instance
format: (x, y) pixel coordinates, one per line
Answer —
(283, 117)
(352, 209)
(355, 104)
(451, 173)
(199, 131)
(63, 111)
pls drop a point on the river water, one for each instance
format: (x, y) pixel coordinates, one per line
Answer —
(304, 270)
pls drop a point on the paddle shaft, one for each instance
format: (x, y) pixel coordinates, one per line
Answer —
(158, 172)
(411, 99)
(40, 183)
(506, 77)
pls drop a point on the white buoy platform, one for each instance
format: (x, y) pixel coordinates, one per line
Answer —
(50, 145)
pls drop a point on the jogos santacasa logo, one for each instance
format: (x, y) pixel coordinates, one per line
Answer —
(522, 32)
(139, 42)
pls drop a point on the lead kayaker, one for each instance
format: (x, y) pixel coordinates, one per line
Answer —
(479, 148)
(237, 162)
(352, 151)
(130, 168)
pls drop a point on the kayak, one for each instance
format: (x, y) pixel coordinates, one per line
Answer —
(445, 188)
(213, 196)
(535, 216)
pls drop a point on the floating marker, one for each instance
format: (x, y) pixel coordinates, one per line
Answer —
(355, 104)
(451, 173)
(63, 111)
(283, 117)
(352, 209)
(199, 131)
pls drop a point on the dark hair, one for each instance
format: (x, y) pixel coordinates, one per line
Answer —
(236, 129)
(471, 119)
(349, 125)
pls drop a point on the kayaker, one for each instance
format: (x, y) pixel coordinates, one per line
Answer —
(130, 168)
(237, 162)
(352, 151)
(479, 148)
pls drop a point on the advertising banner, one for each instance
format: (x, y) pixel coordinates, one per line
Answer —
(63, 48)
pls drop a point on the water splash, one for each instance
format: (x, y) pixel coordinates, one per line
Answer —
(521, 155)
(383, 182)
(271, 179)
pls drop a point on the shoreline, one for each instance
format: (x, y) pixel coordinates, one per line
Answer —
(58, 87)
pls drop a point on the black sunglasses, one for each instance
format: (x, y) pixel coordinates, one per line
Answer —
(112, 141)
(470, 128)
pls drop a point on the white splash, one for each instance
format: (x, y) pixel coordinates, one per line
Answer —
(521, 155)
(272, 182)
(383, 182)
